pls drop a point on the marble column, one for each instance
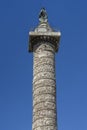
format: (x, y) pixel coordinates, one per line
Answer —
(44, 43)
(44, 88)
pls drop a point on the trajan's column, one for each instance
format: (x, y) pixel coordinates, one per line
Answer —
(44, 43)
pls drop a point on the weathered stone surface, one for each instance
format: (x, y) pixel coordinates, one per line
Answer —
(44, 113)
(42, 75)
(46, 128)
(44, 82)
(43, 46)
(44, 122)
(44, 105)
(44, 97)
(44, 87)
(43, 68)
(43, 90)
(43, 61)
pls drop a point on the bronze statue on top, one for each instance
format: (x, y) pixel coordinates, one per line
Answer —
(43, 16)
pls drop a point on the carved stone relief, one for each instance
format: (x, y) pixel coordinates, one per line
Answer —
(44, 88)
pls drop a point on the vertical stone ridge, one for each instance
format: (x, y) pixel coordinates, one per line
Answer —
(44, 88)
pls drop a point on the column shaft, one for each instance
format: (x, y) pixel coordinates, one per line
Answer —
(44, 87)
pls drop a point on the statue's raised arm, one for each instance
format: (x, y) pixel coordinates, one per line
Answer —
(43, 15)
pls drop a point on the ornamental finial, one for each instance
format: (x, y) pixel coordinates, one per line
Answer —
(43, 16)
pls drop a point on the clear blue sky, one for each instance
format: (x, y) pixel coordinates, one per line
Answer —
(16, 19)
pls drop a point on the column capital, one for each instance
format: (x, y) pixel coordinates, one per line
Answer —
(44, 33)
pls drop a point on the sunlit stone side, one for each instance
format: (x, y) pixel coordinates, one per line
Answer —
(44, 87)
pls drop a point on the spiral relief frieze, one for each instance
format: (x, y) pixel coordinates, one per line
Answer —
(47, 127)
(44, 113)
(44, 75)
(43, 97)
(44, 68)
(43, 61)
(44, 121)
(44, 88)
